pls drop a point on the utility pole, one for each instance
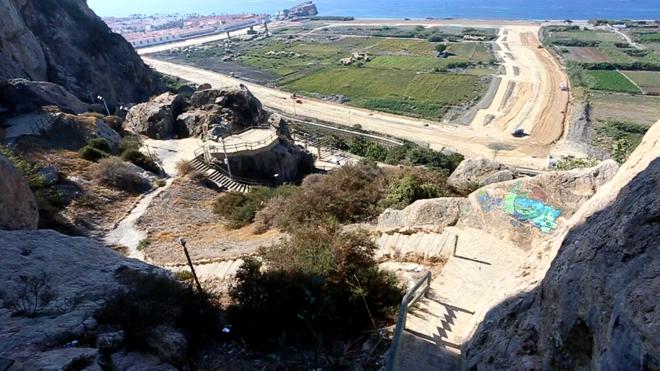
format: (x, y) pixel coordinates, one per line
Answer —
(183, 243)
(104, 104)
(224, 150)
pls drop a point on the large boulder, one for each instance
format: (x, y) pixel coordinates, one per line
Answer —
(526, 209)
(19, 208)
(431, 215)
(59, 131)
(23, 96)
(240, 109)
(154, 118)
(479, 171)
(64, 42)
(74, 277)
(587, 298)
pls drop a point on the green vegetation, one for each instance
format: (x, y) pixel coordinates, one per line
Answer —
(611, 81)
(140, 159)
(409, 153)
(618, 138)
(95, 150)
(421, 95)
(648, 81)
(570, 163)
(321, 284)
(402, 75)
(239, 208)
(154, 300)
(115, 173)
(49, 201)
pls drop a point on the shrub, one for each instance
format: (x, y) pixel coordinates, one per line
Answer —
(184, 168)
(90, 153)
(348, 194)
(140, 159)
(129, 143)
(32, 297)
(152, 300)
(570, 163)
(115, 173)
(95, 150)
(409, 189)
(240, 208)
(28, 169)
(320, 284)
(100, 144)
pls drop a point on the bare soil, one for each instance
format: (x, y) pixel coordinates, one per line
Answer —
(184, 210)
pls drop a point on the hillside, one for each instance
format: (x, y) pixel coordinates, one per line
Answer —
(64, 42)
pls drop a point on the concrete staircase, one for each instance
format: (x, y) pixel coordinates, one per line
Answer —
(438, 324)
(218, 177)
(218, 270)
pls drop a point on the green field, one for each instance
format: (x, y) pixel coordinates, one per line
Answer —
(402, 75)
(611, 81)
(649, 81)
(586, 36)
(423, 95)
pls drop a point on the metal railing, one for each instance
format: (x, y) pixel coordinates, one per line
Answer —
(420, 289)
(241, 147)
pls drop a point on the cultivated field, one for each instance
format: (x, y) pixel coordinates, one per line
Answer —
(628, 108)
(649, 81)
(612, 81)
(403, 75)
(423, 95)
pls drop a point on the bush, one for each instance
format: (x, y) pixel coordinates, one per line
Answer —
(90, 153)
(184, 168)
(240, 208)
(570, 163)
(348, 194)
(320, 284)
(410, 188)
(152, 300)
(28, 169)
(115, 173)
(140, 159)
(95, 150)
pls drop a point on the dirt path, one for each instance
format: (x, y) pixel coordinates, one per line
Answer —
(535, 105)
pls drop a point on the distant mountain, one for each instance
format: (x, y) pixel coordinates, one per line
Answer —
(64, 42)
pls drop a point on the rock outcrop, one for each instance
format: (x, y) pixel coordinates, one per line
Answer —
(23, 96)
(153, 118)
(424, 215)
(74, 277)
(64, 42)
(588, 298)
(19, 208)
(207, 113)
(480, 172)
(59, 131)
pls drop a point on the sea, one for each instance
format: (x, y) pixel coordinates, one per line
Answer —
(474, 9)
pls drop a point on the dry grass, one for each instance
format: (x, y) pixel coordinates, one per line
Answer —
(185, 210)
(184, 168)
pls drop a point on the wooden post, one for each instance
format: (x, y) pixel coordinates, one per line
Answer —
(183, 242)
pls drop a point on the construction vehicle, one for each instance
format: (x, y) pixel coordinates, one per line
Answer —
(563, 86)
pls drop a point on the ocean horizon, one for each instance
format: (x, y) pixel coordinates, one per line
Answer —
(475, 9)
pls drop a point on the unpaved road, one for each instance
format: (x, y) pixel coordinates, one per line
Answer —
(537, 105)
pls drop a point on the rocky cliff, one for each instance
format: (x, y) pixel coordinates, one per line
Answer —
(64, 42)
(587, 299)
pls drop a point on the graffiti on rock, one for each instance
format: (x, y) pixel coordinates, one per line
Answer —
(523, 207)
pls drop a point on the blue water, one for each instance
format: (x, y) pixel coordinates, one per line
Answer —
(484, 9)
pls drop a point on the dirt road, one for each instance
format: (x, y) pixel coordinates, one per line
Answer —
(535, 105)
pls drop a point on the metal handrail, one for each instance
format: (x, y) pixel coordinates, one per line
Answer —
(408, 300)
(250, 146)
(251, 182)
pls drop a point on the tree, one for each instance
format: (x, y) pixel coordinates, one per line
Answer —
(440, 48)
